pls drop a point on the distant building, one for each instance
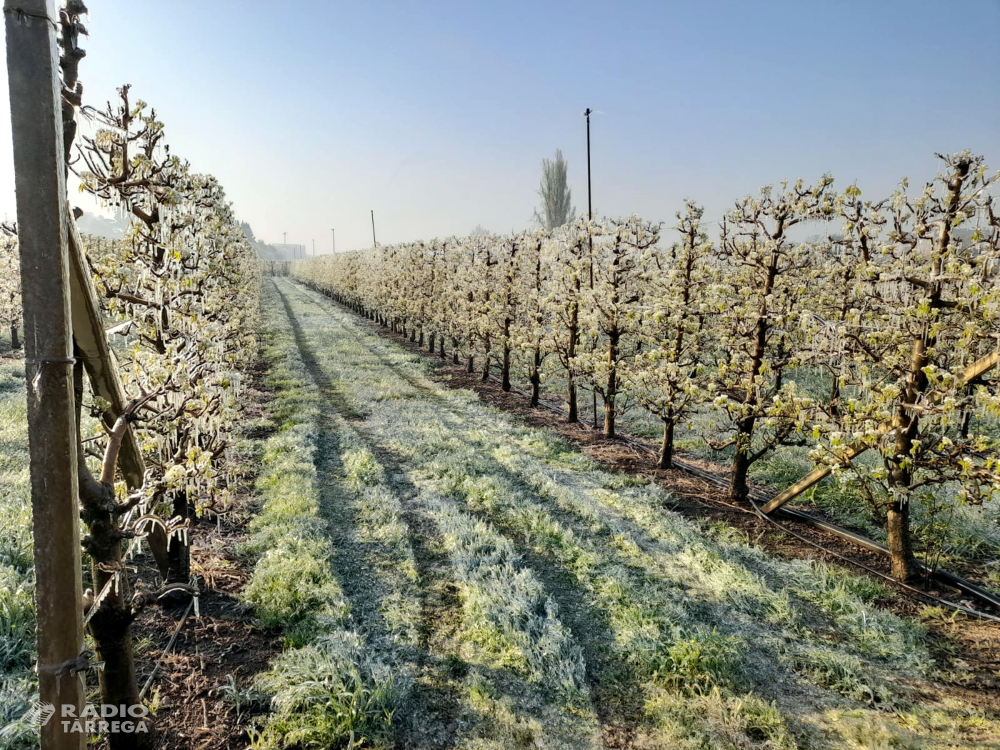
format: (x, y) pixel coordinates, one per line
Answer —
(278, 251)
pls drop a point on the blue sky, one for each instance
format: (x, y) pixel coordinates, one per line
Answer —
(437, 114)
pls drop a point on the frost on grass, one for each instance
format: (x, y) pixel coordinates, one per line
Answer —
(726, 646)
(509, 614)
(528, 685)
(326, 690)
(18, 686)
(331, 693)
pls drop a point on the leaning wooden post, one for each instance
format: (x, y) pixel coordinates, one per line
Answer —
(39, 176)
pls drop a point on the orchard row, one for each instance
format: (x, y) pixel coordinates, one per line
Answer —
(887, 304)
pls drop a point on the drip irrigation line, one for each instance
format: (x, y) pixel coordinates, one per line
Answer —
(170, 645)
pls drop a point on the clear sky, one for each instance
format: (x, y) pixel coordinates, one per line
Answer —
(437, 114)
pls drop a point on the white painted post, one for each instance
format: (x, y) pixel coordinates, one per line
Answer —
(39, 173)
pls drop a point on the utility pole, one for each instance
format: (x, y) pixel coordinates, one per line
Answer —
(590, 205)
(590, 217)
(374, 243)
(333, 239)
(42, 217)
(314, 248)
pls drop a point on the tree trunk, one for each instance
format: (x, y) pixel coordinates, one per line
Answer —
(454, 350)
(420, 340)
(430, 342)
(471, 365)
(906, 425)
(609, 413)
(536, 377)
(904, 564)
(441, 347)
(505, 359)
(963, 430)
(486, 362)
(835, 396)
(612, 388)
(111, 624)
(574, 324)
(179, 553)
(111, 629)
(666, 460)
(14, 343)
(738, 488)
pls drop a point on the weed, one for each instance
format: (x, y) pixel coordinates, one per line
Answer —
(330, 693)
(844, 674)
(696, 663)
(241, 700)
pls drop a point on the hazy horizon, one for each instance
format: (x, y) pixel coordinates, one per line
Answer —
(437, 118)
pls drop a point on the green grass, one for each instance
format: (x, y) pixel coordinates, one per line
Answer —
(17, 613)
(324, 690)
(568, 574)
(330, 693)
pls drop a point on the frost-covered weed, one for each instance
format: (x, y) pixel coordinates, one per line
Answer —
(17, 622)
(362, 469)
(18, 684)
(850, 602)
(695, 664)
(286, 483)
(717, 720)
(18, 696)
(292, 588)
(331, 693)
(844, 674)
(15, 490)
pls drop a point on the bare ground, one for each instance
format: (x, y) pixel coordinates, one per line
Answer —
(224, 642)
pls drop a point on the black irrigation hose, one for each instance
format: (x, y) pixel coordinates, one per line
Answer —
(859, 540)
(753, 496)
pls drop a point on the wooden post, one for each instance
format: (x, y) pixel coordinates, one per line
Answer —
(98, 357)
(39, 175)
